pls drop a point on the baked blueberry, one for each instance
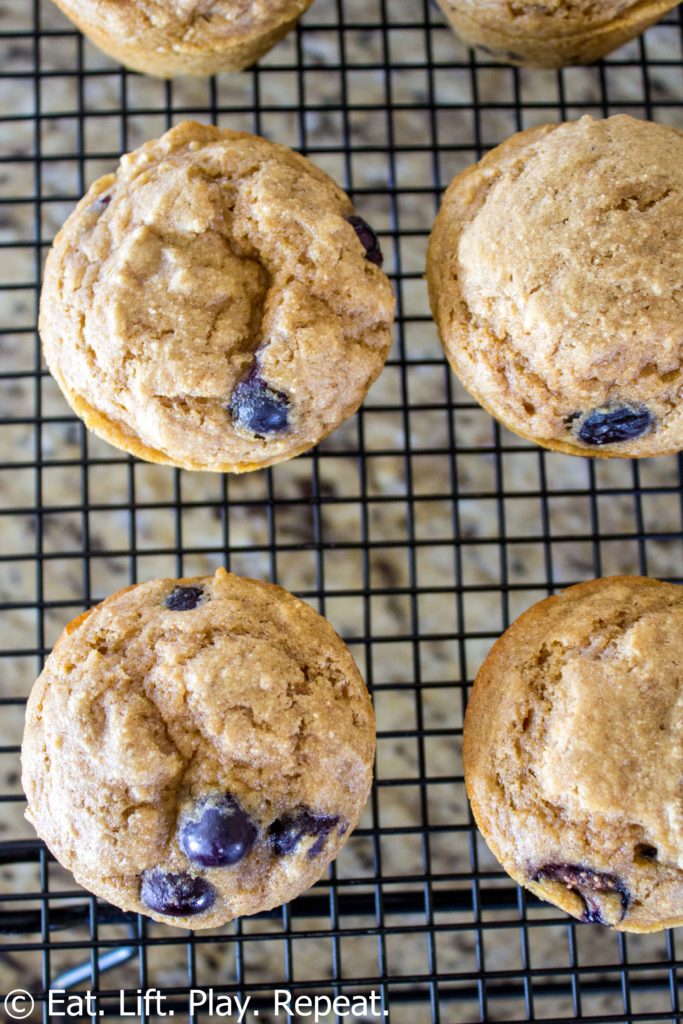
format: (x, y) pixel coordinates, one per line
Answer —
(102, 202)
(258, 408)
(286, 833)
(588, 884)
(176, 895)
(610, 426)
(184, 599)
(369, 240)
(221, 835)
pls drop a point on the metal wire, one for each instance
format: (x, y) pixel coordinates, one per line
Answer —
(420, 529)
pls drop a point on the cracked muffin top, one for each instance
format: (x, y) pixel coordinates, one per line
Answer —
(198, 749)
(552, 33)
(216, 304)
(573, 752)
(555, 269)
(184, 37)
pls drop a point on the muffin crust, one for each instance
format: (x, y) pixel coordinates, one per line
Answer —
(553, 33)
(177, 695)
(212, 306)
(554, 270)
(573, 749)
(166, 38)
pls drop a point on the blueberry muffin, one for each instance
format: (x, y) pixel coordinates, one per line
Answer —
(198, 749)
(217, 304)
(184, 37)
(573, 752)
(554, 269)
(554, 33)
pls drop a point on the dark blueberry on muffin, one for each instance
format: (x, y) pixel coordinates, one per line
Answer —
(221, 834)
(286, 833)
(369, 240)
(176, 895)
(258, 408)
(609, 426)
(589, 884)
(184, 599)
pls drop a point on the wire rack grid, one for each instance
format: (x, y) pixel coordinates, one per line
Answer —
(420, 528)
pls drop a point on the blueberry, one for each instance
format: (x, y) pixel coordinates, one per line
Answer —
(369, 240)
(645, 851)
(610, 426)
(587, 883)
(258, 408)
(176, 895)
(286, 833)
(221, 836)
(101, 203)
(184, 599)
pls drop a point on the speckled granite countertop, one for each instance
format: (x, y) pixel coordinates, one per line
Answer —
(502, 561)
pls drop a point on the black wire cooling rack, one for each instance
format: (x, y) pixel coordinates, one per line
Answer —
(419, 528)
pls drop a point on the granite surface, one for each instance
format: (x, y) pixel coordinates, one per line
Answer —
(419, 578)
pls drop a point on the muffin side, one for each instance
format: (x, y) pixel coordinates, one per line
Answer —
(190, 39)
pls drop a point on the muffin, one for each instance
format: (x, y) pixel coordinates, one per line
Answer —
(217, 304)
(185, 37)
(554, 269)
(198, 749)
(554, 33)
(573, 748)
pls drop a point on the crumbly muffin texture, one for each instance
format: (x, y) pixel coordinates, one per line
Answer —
(198, 749)
(573, 752)
(555, 269)
(216, 304)
(184, 37)
(552, 33)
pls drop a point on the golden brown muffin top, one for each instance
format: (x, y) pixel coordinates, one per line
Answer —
(573, 751)
(559, 15)
(555, 272)
(211, 305)
(180, 698)
(184, 24)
